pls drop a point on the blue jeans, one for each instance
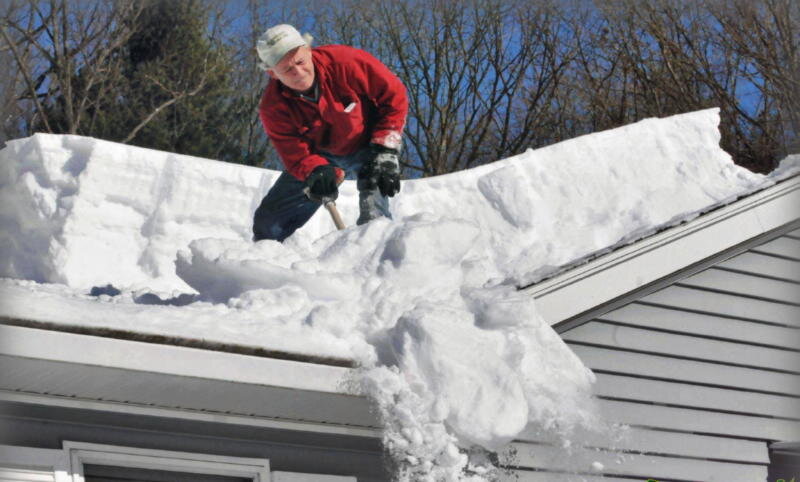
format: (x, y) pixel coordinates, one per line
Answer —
(286, 208)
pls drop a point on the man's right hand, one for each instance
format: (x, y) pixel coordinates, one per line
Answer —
(323, 182)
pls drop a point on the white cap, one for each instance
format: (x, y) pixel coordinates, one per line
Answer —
(276, 42)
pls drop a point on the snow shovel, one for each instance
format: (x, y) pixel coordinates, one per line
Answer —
(329, 203)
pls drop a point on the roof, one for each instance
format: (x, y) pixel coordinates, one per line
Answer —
(280, 329)
(573, 296)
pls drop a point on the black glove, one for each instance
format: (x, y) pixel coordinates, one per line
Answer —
(322, 183)
(380, 170)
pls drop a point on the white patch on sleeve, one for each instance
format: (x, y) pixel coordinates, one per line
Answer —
(392, 140)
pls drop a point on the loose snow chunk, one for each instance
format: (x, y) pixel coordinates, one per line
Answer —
(461, 369)
(223, 269)
(475, 364)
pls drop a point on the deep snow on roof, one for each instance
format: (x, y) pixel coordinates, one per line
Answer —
(428, 300)
(79, 213)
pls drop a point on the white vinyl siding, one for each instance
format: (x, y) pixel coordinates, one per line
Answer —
(706, 372)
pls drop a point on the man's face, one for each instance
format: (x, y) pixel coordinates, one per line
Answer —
(295, 70)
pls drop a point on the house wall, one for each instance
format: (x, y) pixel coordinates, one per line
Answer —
(705, 372)
(46, 428)
(63, 387)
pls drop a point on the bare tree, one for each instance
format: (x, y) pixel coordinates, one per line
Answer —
(468, 66)
(76, 60)
(64, 50)
(486, 78)
(248, 80)
(12, 83)
(645, 58)
(539, 110)
(767, 35)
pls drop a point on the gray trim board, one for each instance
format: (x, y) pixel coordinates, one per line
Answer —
(175, 341)
(586, 316)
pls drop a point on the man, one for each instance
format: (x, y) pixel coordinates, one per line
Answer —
(328, 111)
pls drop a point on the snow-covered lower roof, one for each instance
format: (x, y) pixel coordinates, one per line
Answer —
(110, 239)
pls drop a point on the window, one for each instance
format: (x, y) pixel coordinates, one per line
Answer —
(105, 473)
(784, 462)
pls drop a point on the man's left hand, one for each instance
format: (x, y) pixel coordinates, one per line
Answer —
(381, 170)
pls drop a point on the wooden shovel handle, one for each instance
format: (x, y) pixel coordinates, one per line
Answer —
(328, 203)
(337, 219)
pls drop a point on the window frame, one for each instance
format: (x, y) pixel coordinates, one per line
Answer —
(21, 460)
(79, 453)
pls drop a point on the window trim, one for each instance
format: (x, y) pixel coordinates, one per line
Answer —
(21, 459)
(80, 453)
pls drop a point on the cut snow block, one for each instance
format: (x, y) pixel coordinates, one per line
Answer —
(86, 212)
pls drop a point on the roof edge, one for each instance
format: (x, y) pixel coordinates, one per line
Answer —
(63, 347)
(604, 283)
(120, 334)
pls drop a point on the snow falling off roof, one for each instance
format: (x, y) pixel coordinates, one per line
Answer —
(454, 355)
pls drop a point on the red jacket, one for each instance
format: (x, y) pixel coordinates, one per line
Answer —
(300, 129)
